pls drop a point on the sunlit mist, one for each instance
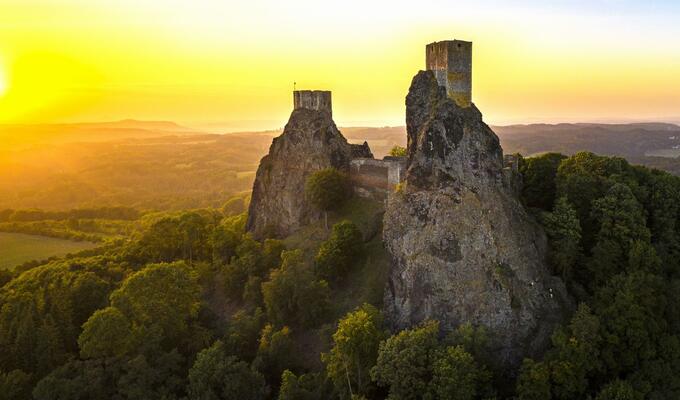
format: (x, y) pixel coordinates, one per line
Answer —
(3, 81)
(209, 62)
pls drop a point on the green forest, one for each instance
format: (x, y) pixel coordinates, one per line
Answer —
(187, 305)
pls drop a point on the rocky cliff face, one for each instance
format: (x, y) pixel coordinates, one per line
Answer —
(463, 248)
(310, 142)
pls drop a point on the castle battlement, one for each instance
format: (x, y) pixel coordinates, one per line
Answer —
(313, 100)
(451, 62)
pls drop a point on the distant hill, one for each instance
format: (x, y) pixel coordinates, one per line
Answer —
(626, 140)
(26, 135)
(381, 140)
(162, 165)
(166, 126)
(653, 144)
(168, 172)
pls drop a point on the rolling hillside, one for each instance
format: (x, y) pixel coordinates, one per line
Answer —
(161, 165)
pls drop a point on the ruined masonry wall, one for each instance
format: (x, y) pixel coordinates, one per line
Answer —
(377, 178)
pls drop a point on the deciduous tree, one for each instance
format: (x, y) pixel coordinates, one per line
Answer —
(107, 333)
(355, 351)
(405, 361)
(293, 295)
(337, 255)
(327, 189)
(218, 376)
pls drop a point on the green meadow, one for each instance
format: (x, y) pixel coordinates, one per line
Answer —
(17, 248)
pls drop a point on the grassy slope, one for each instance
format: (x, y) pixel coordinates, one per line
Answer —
(365, 284)
(17, 248)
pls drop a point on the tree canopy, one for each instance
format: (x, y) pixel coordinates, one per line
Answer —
(189, 305)
(398, 151)
(337, 255)
(327, 189)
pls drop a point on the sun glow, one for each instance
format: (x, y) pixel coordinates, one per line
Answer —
(4, 85)
(233, 64)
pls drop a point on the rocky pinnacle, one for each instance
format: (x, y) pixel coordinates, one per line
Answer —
(463, 248)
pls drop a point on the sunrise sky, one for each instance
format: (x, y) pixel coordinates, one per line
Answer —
(231, 65)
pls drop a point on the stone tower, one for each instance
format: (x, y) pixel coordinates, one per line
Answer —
(451, 62)
(319, 100)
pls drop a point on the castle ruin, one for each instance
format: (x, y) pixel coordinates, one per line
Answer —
(319, 100)
(375, 179)
(311, 142)
(451, 63)
(370, 178)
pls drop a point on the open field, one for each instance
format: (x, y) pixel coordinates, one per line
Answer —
(17, 248)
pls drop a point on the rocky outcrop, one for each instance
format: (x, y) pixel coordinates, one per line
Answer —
(310, 142)
(463, 248)
(361, 150)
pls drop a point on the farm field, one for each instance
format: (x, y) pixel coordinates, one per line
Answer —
(17, 248)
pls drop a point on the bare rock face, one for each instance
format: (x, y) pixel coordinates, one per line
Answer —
(463, 248)
(310, 142)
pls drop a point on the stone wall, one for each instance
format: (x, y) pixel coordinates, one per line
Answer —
(451, 62)
(511, 174)
(377, 178)
(319, 100)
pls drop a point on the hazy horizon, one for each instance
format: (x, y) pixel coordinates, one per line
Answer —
(226, 127)
(258, 126)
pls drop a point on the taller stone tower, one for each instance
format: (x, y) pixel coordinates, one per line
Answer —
(463, 247)
(451, 62)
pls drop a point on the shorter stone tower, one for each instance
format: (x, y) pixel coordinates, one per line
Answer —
(313, 100)
(451, 62)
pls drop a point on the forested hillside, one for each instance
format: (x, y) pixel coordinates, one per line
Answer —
(163, 166)
(190, 306)
(162, 173)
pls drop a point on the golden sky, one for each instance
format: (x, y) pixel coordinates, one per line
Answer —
(232, 64)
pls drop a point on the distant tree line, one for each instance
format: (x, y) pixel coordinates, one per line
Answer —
(115, 213)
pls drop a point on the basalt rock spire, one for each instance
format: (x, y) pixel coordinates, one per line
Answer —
(310, 142)
(463, 248)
